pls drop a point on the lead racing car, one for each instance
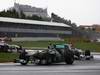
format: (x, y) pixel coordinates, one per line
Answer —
(59, 53)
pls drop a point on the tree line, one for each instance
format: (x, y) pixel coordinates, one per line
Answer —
(14, 14)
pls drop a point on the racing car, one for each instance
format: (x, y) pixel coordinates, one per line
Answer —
(59, 53)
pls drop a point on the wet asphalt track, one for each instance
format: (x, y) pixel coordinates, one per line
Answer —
(82, 67)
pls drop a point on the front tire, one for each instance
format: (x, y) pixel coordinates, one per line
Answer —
(24, 62)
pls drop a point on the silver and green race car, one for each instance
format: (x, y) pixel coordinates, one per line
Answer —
(59, 53)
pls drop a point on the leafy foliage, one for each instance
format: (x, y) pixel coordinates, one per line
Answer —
(9, 13)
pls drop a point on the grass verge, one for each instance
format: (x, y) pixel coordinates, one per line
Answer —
(43, 44)
(93, 46)
(8, 57)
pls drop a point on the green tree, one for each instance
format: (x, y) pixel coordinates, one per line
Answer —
(9, 13)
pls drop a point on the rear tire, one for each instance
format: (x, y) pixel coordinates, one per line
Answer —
(69, 60)
(69, 57)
